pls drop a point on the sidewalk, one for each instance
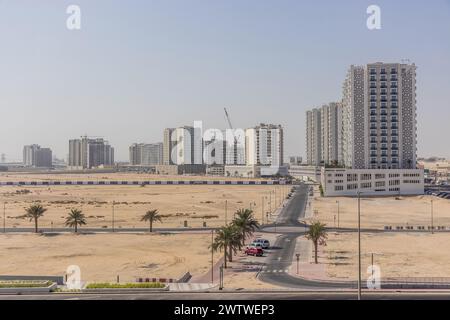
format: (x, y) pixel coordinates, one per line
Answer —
(307, 268)
(206, 278)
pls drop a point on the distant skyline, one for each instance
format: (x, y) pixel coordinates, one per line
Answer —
(137, 67)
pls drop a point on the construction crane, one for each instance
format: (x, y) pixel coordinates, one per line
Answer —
(227, 116)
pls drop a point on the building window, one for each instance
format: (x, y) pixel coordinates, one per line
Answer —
(352, 186)
(366, 185)
(380, 184)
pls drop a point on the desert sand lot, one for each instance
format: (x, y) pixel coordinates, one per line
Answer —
(398, 255)
(102, 257)
(195, 203)
(382, 211)
(118, 176)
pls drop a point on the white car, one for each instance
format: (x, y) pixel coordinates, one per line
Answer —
(265, 244)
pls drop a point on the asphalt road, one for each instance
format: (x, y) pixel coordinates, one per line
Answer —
(280, 258)
(224, 296)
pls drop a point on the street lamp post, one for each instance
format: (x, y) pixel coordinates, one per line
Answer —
(226, 211)
(221, 278)
(359, 245)
(4, 217)
(113, 215)
(298, 260)
(432, 227)
(212, 257)
(270, 201)
(337, 201)
(262, 210)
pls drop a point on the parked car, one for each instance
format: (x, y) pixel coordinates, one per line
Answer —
(254, 251)
(255, 244)
(265, 244)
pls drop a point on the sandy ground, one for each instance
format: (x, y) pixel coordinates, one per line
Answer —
(398, 255)
(102, 257)
(382, 211)
(195, 203)
(119, 176)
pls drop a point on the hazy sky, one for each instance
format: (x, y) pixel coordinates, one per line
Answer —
(136, 67)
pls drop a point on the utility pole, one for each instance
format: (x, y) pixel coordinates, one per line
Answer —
(359, 245)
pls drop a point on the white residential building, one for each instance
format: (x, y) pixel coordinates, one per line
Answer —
(264, 145)
(379, 116)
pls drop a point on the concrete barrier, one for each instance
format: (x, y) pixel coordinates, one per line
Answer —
(57, 279)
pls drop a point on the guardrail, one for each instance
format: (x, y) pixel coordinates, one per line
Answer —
(421, 228)
(144, 183)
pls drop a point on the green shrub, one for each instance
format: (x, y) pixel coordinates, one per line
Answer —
(321, 190)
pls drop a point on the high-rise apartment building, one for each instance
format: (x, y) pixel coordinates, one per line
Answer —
(146, 154)
(35, 156)
(314, 137)
(264, 145)
(331, 133)
(87, 153)
(379, 116)
(183, 145)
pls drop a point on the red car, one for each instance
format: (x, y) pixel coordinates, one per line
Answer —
(254, 251)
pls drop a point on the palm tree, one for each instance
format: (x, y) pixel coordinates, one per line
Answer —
(34, 212)
(151, 216)
(318, 235)
(227, 239)
(246, 223)
(75, 218)
(235, 242)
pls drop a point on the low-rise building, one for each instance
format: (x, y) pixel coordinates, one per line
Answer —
(372, 182)
(305, 172)
(248, 171)
(172, 169)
